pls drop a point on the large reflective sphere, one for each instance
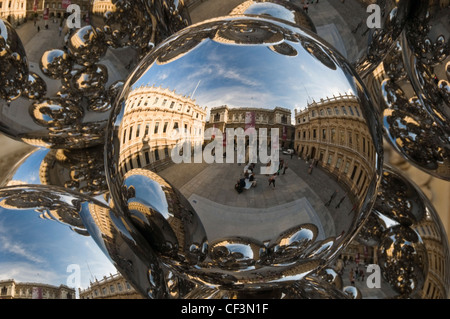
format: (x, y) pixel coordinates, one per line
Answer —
(245, 151)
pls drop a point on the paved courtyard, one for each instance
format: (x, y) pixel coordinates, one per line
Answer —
(261, 212)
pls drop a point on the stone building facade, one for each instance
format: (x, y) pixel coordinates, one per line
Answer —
(333, 133)
(111, 287)
(224, 117)
(155, 120)
(13, 11)
(10, 289)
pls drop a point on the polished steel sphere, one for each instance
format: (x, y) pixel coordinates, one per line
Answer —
(410, 240)
(246, 152)
(13, 63)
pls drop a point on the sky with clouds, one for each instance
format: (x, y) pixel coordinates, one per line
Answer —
(39, 250)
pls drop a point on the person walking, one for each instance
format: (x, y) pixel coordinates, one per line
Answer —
(353, 209)
(310, 169)
(285, 167)
(340, 202)
(280, 166)
(272, 180)
(352, 277)
(331, 198)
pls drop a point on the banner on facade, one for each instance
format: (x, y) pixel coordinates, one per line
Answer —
(250, 120)
(36, 293)
(46, 13)
(66, 3)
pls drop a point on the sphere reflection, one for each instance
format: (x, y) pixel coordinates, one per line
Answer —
(207, 146)
(410, 241)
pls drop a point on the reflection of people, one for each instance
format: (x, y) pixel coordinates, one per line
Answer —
(353, 209)
(285, 167)
(340, 202)
(252, 179)
(272, 180)
(352, 278)
(331, 198)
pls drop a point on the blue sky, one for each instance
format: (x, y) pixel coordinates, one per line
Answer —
(33, 249)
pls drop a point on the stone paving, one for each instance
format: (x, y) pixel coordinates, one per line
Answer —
(297, 198)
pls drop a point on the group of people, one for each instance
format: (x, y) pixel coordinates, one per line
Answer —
(247, 180)
(356, 275)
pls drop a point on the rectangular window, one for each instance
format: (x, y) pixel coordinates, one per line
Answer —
(324, 134)
(347, 166)
(336, 110)
(131, 134)
(357, 111)
(172, 104)
(354, 172)
(339, 162)
(156, 155)
(131, 163)
(156, 100)
(351, 110)
(165, 127)
(138, 159)
(333, 135)
(359, 178)
(156, 128)
(138, 131)
(330, 159)
(147, 129)
(314, 133)
(147, 157)
(164, 102)
(344, 110)
(124, 136)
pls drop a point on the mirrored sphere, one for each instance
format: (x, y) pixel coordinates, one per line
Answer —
(147, 22)
(56, 63)
(427, 54)
(13, 63)
(86, 46)
(245, 151)
(392, 16)
(52, 237)
(410, 241)
(409, 126)
(353, 292)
